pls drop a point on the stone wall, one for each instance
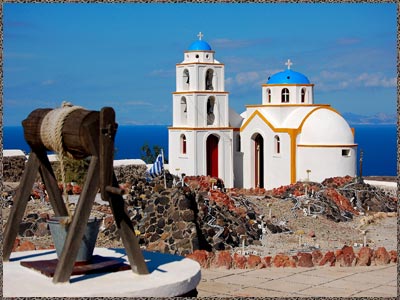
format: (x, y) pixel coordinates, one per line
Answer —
(127, 173)
(13, 168)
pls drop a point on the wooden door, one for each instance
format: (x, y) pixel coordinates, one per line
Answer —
(212, 156)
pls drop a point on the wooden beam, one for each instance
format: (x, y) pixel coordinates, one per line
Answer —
(50, 181)
(127, 232)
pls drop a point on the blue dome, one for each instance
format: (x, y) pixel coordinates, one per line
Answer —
(199, 45)
(288, 77)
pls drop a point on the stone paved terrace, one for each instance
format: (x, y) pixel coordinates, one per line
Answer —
(372, 281)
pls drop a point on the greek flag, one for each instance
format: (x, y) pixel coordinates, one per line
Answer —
(157, 168)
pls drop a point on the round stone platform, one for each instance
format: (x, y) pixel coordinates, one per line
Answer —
(169, 276)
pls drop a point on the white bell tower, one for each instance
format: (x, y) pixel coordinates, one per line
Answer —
(200, 139)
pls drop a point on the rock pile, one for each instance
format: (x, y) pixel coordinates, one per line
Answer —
(345, 257)
(338, 198)
(180, 220)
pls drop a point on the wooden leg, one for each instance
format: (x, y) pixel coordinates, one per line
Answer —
(107, 135)
(127, 232)
(79, 221)
(50, 181)
(20, 201)
(108, 180)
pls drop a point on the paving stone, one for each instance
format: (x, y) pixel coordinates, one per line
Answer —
(283, 285)
(331, 272)
(274, 273)
(257, 292)
(305, 278)
(370, 277)
(326, 292)
(379, 291)
(244, 280)
(218, 287)
(347, 283)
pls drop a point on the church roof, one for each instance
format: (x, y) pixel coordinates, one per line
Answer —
(288, 77)
(326, 127)
(199, 45)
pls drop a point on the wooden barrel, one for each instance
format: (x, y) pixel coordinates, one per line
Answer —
(80, 130)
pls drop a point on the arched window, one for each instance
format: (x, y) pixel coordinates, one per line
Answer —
(210, 111)
(285, 95)
(303, 95)
(269, 95)
(209, 79)
(238, 143)
(186, 79)
(183, 144)
(277, 142)
(184, 110)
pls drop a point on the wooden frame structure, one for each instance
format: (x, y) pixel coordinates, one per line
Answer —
(84, 133)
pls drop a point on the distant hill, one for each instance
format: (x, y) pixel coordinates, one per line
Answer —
(379, 118)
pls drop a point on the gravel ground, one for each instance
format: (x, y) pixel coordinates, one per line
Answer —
(308, 233)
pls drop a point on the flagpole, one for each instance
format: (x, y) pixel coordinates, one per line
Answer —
(165, 180)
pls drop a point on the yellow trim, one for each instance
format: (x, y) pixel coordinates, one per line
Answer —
(314, 110)
(327, 146)
(287, 84)
(353, 130)
(203, 128)
(199, 92)
(293, 133)
(286, 105)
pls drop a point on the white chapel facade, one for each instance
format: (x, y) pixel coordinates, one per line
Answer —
(284, 139)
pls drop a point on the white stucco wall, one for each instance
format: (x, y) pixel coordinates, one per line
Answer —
(325, 162)
(276, 166)
(194, 162)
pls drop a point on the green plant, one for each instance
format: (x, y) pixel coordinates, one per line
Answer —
(75, 170)
(148, 155)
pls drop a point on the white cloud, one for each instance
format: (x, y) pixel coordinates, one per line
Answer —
(138, 103)
(375, 80)
(247, 77)
(328, 81)
(162, 73)
(228, 43)
(48, 82)
(348, 41)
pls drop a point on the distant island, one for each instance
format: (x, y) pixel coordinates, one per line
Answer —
(377, 119)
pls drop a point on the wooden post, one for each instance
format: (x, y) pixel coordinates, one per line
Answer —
(20, 201)
(108, 186)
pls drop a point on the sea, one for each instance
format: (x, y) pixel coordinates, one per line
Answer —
(378, 144)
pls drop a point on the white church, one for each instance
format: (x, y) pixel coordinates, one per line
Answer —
(284, 139)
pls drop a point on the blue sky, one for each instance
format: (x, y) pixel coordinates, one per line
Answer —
(124, 55)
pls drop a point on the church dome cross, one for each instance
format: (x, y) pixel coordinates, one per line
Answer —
(289, 64)
(200, 36)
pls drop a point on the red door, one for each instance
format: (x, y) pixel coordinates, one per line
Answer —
(212, 156)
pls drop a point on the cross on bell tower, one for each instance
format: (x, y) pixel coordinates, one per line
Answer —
(200, 36)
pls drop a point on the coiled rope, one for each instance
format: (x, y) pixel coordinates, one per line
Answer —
(51, 136)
